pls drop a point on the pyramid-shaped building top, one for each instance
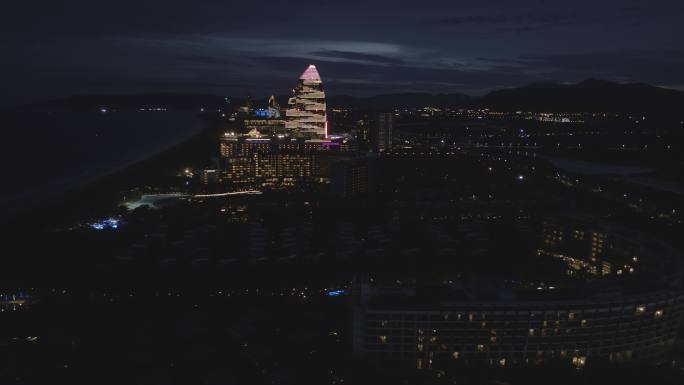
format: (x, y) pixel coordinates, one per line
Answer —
(310, 73)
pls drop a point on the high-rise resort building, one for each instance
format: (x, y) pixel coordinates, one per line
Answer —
(306, 114)
(381, 133)
(272, 152)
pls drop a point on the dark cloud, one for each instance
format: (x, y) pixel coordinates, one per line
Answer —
(398, 77)
(526, 22)
(205, 59)
(660, 67)
(52, 49)
(630, 8)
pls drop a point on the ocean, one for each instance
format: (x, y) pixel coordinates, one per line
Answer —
(48, 153)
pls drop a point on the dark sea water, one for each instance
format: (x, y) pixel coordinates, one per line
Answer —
(630, 174)
(48, 153)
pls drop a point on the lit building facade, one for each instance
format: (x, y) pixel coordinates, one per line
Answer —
(354, 176)
(272, 111)
(277, 152)
(618, 298)
(264, 126)
(306, 113)
(516, 333)
(272, 161)
(591, 249)
(381, 134)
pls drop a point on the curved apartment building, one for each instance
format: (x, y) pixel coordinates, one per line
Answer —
(619, 299)
(510, 333)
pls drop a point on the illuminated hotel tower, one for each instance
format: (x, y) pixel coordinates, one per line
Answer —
(306, 113)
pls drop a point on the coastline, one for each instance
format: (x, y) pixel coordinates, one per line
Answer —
(96, 194)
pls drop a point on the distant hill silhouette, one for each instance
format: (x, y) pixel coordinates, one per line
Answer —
(587, 96)
(378, 102)
(389, 101)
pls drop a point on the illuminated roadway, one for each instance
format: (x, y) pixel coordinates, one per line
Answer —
(151, 199)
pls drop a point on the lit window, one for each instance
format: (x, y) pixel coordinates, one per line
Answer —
(641, 309)
(583, 323)
(579, 361)
(658, 314)
(383, 339)
(420, 348)
(480, 348)
(455, 355)
(502, 362)
(530, 332)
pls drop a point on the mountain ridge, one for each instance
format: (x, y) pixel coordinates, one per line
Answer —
(590, 95)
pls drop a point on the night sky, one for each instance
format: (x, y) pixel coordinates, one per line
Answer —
(361, 47)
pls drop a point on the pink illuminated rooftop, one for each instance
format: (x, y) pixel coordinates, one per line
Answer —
(311, 73)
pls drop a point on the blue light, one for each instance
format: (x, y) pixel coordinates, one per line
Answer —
(336, 293)
(109, 223)
(262, 113)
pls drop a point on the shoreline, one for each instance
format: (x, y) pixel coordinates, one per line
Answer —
(36, 197)
(98, 193)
